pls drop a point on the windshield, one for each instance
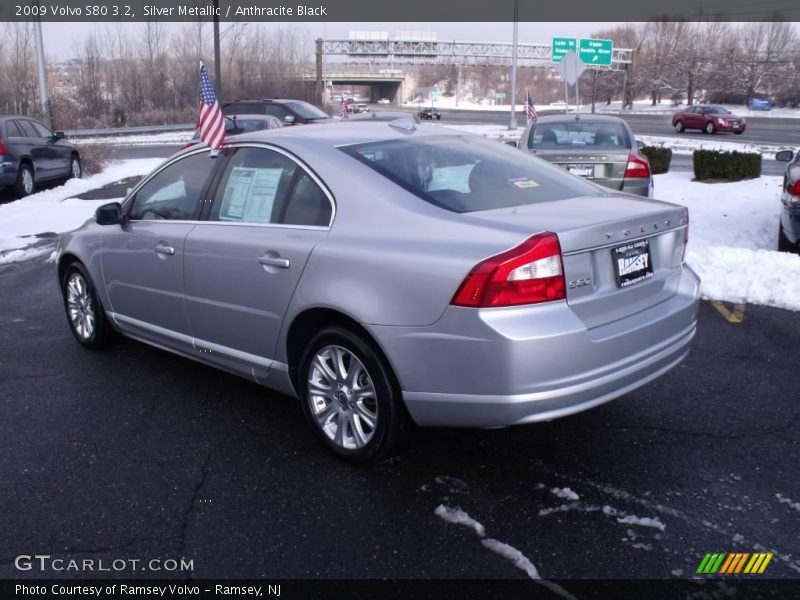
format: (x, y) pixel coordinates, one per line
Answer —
(578, 134)
(717, 110)
(466, 173)
(306, 110)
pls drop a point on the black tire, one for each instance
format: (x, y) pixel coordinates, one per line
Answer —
(75, 167)
(679, 127)
(784, 245)
(392, 422)
(738, 132)
(26, 182)
(102, 333)
(710, 127)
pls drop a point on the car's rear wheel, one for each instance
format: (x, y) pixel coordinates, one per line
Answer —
(784, 245)
(710, 127)
(679, 127)
(26, 183)
(86, 317)
(350, 397)
(75, 167)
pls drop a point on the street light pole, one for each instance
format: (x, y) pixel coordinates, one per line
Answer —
(37, 31)
(512, 124)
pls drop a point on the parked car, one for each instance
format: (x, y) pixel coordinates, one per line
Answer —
(31, 154)
(430, 113)
(789, 226)
(290, 112)
(362, 107)
(384, 101)
(599, 148)
(236, 124)
(386, 273)
(708, 118)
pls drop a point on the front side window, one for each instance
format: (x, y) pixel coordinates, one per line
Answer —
(277, 111)
(175, 192)
(571, 135)
(466, 173)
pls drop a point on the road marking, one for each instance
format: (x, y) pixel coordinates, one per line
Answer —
(734, 315)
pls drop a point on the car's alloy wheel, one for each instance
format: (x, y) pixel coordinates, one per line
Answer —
(75, 169)
(349, 396)
(710, 127)
(25, 182)
(85, 314)
(679, 127)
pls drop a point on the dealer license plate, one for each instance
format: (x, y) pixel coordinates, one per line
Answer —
(632, 263)
(581, 170)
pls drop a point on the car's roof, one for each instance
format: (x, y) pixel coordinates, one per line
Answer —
(583, 119)
(339, 133)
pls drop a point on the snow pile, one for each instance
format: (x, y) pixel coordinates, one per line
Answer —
(732, 239)
(642, 522)
(564, 493)
(142, 139)
(55, 210)
(458, 516)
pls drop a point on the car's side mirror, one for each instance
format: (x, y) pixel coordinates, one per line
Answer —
(784, 155)
(511, 143)
(289, 119)
(109, 214)
(639, 144)
(59, 135)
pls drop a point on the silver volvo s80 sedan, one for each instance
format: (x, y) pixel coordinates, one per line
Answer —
(389, 274)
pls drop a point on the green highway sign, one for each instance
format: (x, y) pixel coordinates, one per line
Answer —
(436, 95)
(596, 52)
(500, 95)
(562, 45)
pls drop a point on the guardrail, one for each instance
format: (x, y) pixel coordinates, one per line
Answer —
(112, 131)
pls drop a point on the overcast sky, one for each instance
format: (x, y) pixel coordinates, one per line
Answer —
(60, 39)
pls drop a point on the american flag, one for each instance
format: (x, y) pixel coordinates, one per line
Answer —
(211, 125)
(530, 111)
(343, 108)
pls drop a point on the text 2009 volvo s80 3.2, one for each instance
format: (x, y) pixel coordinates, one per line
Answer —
(388, 274)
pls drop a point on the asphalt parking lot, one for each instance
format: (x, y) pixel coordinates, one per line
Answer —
(136, 452)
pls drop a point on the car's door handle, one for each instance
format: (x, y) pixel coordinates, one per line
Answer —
(168, 250)
(274, 261)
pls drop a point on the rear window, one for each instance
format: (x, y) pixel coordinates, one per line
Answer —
(467, 173)
(306, 110)
(578, 134)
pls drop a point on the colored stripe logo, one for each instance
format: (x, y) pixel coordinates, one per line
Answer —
(734, 563)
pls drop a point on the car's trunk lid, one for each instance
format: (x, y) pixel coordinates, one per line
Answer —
(621, 254)
(605, 167)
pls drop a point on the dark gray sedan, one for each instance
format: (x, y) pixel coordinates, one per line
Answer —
(385, 273)
(601, 149)
(789, 228)
(30, 153)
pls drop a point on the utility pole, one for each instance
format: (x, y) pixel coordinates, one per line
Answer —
(217, 60)
(37, 31)
(318, 91)
(512, 123)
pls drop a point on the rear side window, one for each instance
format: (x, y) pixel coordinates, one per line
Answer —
(578, 134)
(466, 174)
(26, 129)
(41, 130)
(243, 108)
(12, 130)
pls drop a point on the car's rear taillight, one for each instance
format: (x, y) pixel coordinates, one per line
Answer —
(3, 148)
(794, 191)
(527, 274)
(637, 167)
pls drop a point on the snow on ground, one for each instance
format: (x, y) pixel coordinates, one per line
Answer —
(784, 500)
(458, 516)
(145, 139)
(732, 239)
(56, 210)
(564, 493)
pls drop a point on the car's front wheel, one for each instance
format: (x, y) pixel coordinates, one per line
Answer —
(25, 181)
(75, 168)
(710, 127)
(86, 317)
(350, 397)
(679, 126)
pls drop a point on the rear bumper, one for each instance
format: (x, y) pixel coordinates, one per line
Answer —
(500, 367)
(8, 172)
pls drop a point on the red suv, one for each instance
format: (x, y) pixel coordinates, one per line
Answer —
(710, 119)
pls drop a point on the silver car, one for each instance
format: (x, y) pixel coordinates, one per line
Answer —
(387, 274)
(599, 148)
